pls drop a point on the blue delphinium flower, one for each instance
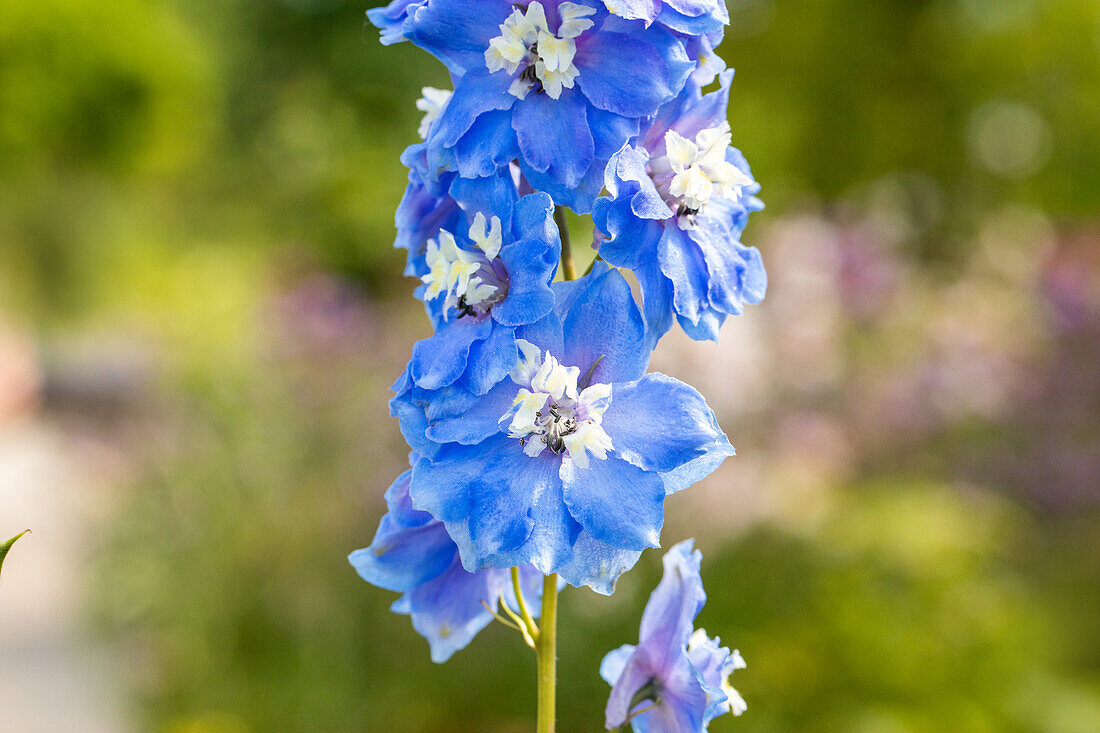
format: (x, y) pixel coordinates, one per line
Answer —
(558, 86)
(434, 202)
(565, 465)
(482, 282)
(412, 554)
(678, 205)
(676, 679)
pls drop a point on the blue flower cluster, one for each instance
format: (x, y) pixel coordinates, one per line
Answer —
(539, 440)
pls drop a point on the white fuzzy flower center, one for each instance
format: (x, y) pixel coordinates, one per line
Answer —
(539, 59)
(691, 173)
(431, 104)
(549, 412)
(472, 279)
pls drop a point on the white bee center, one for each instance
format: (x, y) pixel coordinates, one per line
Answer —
(691, 173)
(549, 413)
(473, 280)
(431, 104)
(539, 58)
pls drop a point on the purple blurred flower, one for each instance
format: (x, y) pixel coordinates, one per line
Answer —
(676, 679)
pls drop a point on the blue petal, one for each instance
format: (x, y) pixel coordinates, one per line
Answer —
(391, 19)
(401, 558)
(705, 327)
(474, 95)
(625, 74)
(682, 262)
(604, 328)
(531, 263)
(699, 468)
(646, 10)
(554, 137)
(472, 420)
(457, 32)
(689, 17)
(669, 617)
(596, 564)
(610, 131)
(399, 502)
(491, 360)
(683, 702)
(441, 359)
(489, 144)
(409, 547)
(617, 502)
(534, 214)
(656, 300)
(546, 333)
(494, 195)
(634, 673)
(713, 663)
(579, 198)
(488, 496)
(614, 662)
(408, 406)
(419, 217)
(659, 423)
(447, 610)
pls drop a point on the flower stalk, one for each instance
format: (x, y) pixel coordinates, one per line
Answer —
(546, 648)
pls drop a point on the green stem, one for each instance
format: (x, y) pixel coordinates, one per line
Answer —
(568, 271)
(525, 615)
(546, 648)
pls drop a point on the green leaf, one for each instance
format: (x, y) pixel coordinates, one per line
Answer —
(7, 546)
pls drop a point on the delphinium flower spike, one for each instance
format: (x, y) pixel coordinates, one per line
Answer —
(542, 450)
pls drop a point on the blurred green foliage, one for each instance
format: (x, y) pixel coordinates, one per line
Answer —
(166, 166)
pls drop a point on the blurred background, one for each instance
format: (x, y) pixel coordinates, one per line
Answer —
(201, 312)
